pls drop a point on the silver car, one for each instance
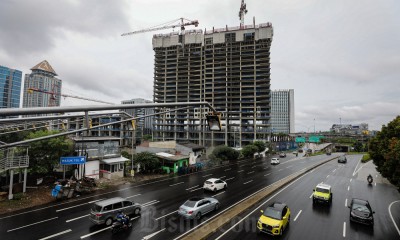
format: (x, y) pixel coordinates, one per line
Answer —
(196, 207)
(105, 211)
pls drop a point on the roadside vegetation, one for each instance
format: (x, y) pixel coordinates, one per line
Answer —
(384, 149)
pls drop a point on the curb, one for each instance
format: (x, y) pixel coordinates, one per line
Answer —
(208, 228)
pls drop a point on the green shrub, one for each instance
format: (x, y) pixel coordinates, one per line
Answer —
(365, 158)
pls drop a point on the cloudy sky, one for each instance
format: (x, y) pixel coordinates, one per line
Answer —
(341, 57)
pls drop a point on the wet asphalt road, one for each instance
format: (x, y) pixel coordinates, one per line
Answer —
(161, 199)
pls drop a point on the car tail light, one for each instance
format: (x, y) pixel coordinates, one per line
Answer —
(99, 215)
(190, 212)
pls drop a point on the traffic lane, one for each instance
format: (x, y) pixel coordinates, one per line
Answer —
(297, 196)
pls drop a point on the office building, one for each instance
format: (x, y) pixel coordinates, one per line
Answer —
(227, 67)
(282, 111)
(10, 87)
(41, 87)
(144, 125)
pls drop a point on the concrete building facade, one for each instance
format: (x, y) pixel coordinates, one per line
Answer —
(229, 68)
(43, 78)
(282, 111)
(144, 125)
(10, 87)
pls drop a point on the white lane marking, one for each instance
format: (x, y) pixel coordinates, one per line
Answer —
(93, 233)
(375, 184)
(227, 169)
(297, 216)
(176, 184)
(302, 161)
(32, 224)
(390, 213)
(254, 166)
(376, 176)
(240, 170)
(166, 215)
(70, 220)
(345, 203)
(312, 170)
(256, 209)
(192, 187)
(153, 234)
(267, 174)
(327, 176)
(229, 179)
(348, 188)
(344, 229)
(63, 209)
(242, 165)
(57, 234)
(223, 177)
(289, 166)
(207, 175)
(265, 168)
(196, 189)
(351, 179)
(356, 170)
(334, 170)
(134, 195)
(218, 194)
(280, 170)
(311, 195)
(250, 172)
(150, 203)
(248, 182)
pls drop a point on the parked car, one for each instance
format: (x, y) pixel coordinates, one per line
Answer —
(214, 184)
(274, 161)
(342, 159)
(105, 211)
(328, 153)
(196, 207)
(361, 212)
(322, 193)
(282, 155)
(274, 219)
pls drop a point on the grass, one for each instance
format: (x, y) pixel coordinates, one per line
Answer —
(366, 157)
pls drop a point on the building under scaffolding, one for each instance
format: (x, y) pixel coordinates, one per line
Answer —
(229, 68)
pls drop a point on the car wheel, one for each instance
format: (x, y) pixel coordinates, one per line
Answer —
(225, 187)
(215, 189)
(137, 211)
(288, 221)
(280, 231)
(216, 207)
(109, 221)
(198, 215)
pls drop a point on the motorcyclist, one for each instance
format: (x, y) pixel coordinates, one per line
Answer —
(369, 178)
(121, 217)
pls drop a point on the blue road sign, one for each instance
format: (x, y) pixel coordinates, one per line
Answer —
(72, 160)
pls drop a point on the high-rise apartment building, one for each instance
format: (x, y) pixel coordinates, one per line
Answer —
(229, 68)
(43, 78)
(282, 111)
(144, 125)
(10, 87)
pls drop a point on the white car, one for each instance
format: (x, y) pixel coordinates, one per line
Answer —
(274, 161)
(214, 184)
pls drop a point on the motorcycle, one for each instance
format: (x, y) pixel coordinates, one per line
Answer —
(370, 180)
(119, 226)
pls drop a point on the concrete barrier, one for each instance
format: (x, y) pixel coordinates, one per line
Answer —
(222, 218)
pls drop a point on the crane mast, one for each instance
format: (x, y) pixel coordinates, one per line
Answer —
(242, 12)
(183, 22)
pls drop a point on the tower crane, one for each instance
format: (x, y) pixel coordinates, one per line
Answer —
(53, 94)
(242, 12)
(172, 24)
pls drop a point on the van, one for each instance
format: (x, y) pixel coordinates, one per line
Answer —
(105, 211)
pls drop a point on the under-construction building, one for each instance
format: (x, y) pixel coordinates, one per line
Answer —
(229, 68)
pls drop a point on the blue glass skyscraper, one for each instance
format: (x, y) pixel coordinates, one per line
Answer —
(10, 87)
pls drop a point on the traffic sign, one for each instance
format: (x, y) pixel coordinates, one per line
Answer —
(72, 160)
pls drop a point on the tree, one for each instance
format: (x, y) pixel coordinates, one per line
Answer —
(358, 147)
(224, 153)
(148, 161)
(44, 155)
(384, 149)
(261, 146)
(147, 137)
(249, 150)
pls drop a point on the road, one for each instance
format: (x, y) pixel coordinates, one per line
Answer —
(324, 222)
(160, 198)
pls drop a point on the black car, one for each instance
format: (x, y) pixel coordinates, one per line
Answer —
(342, 159)
(282, 154)
(361, 212)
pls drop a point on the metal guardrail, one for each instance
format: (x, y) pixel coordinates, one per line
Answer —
(14, 162)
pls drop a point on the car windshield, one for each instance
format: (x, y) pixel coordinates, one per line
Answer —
(272, 213)
(208, 182)
(323, 190)
(342, 157)
(360, 208)
(189, 203)
(96, 208)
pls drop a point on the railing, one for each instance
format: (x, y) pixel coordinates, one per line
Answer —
(14, 162)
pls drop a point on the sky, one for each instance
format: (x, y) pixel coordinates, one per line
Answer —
(341, 57)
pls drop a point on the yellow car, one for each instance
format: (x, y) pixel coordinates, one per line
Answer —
(274, 219)
(322, 193)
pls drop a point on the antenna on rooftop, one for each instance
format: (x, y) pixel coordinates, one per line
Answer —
(242, 12)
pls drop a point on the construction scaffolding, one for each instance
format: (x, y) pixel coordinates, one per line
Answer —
(229, 68)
